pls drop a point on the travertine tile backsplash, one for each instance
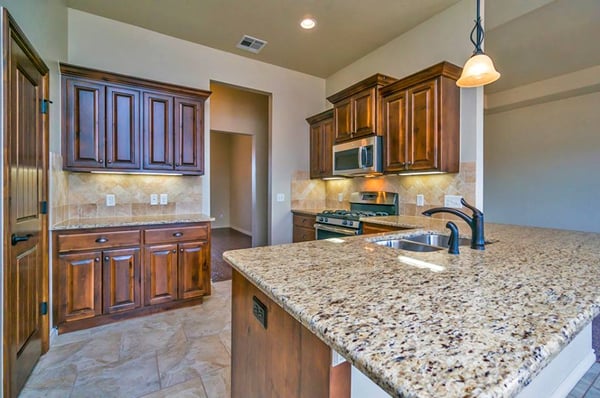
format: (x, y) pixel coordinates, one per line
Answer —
(83, 195)
(308, 193)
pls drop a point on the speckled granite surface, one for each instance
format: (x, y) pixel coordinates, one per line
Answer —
(484, 325)
(100, 222)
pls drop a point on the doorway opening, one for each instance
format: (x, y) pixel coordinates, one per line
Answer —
(239, 171)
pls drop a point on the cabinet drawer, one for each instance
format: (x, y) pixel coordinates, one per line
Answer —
(304, 221)
(301, 234)
(98, 240)
(175, 234)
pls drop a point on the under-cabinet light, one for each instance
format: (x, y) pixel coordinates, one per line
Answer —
(421, 173)
(135, 173)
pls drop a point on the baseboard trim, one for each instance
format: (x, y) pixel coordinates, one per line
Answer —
(241, 230)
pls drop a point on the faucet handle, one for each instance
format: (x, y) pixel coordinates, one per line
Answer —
(476, 211)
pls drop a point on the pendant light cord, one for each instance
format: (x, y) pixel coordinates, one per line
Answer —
(477, 32)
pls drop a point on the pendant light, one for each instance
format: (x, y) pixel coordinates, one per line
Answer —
(479, 69)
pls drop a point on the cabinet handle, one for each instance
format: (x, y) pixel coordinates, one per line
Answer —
(106, 258)
(97, 259)
(102, 240)
(14, 239)
(178, 234)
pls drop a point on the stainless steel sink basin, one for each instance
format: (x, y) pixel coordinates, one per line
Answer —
(407, 245)
(436, 240)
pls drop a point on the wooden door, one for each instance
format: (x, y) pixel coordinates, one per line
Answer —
(25, 269)
(158, 131)
(342, 114)
(81, 284)
(189, 135)
(193, 269)
(84, 124)
(160, 283)
(395, 124)
(364, 112)
(121, 280)
(122, 128)
(423, 137)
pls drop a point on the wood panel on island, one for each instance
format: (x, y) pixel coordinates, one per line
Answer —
(103, 275)
(420, 117)
(113, 122)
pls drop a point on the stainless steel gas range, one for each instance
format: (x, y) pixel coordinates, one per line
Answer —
(339, 223)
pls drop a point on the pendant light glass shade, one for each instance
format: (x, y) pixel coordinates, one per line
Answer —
(478, 71)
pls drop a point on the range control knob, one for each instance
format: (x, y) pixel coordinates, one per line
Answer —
(344, 222)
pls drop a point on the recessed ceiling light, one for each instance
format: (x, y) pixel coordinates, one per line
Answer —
(308, 23)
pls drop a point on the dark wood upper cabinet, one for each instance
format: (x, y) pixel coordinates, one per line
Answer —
(189, 135)
(321, 144)
(158, 132)
(355, 109)
(124, 123)
(122, 128)
(420, 117)
(83, 138)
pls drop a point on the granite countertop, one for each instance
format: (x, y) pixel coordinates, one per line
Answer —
(310, 212)
(121, 221)
(481, 323)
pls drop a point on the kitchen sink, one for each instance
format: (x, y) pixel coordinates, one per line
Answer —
(437, 240)
(428, 242)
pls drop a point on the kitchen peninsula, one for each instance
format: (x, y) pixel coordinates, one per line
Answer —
(482, 323)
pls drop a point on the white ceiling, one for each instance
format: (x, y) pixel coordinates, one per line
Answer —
(346, 29)
(529, 40)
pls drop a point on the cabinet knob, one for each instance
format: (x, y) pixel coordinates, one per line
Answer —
(177, 164)
(110, 161)
(100, 161)
(97, 259)
(102, 240)
(106, 258)
(181, 250)
(178, 234)
(174, 251)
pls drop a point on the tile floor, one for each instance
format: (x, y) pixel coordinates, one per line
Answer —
(180, 353)
(184, 352)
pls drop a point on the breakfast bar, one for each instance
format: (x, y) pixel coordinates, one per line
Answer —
(433, 324)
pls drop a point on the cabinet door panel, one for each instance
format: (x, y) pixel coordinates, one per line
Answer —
(315, 151)
(85, 129)
(394, 131)
(364, 112)
(343, 120)
(194, 273)
(189, 135)
(122, 128)
(81, 281)
(160, 262)
(121, 268)
(423, 138)
(158, 132)
(327, 140)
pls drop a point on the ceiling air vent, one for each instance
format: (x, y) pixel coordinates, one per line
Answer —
(251, 44)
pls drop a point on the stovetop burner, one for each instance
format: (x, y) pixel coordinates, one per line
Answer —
(352, 214)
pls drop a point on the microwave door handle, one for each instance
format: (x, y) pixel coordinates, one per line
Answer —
(362, 157)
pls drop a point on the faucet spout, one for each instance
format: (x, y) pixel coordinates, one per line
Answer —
(475, 222)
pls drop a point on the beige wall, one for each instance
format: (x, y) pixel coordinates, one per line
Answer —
(220, 170)
(241, 183)
(114, 46)
(45, 25)
(541, 161)
(241, 111)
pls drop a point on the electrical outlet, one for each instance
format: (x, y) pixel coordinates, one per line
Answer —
(164, 199)
(153, 199)
(340, 197)
(420, 200)
(111, 200)
(280, 197)
(453, 201)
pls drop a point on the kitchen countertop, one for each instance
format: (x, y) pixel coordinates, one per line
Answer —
(310, 212)
(486, 323)
(100, 222)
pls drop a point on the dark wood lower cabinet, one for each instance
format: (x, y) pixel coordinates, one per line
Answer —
(280, 358)
(107, 274)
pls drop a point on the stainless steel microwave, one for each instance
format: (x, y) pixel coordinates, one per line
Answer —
(358, 157)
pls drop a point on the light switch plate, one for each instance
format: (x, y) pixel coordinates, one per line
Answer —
(153, 199)
(453, 201)
(164, 198)
(280, 197)
(110, 200)
(420, 200)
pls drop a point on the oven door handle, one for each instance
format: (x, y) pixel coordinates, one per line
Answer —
(343, 231)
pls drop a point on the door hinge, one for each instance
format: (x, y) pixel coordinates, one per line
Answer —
(44, 308)
(44, 207)
(44, 104)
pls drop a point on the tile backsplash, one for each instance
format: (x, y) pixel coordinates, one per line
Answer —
(308, 193)
(83, 195)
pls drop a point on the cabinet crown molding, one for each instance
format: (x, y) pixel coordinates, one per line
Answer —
(445, 69)
(377, 80)
(320, 116)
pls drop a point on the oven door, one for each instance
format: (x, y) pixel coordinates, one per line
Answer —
(323, 231)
